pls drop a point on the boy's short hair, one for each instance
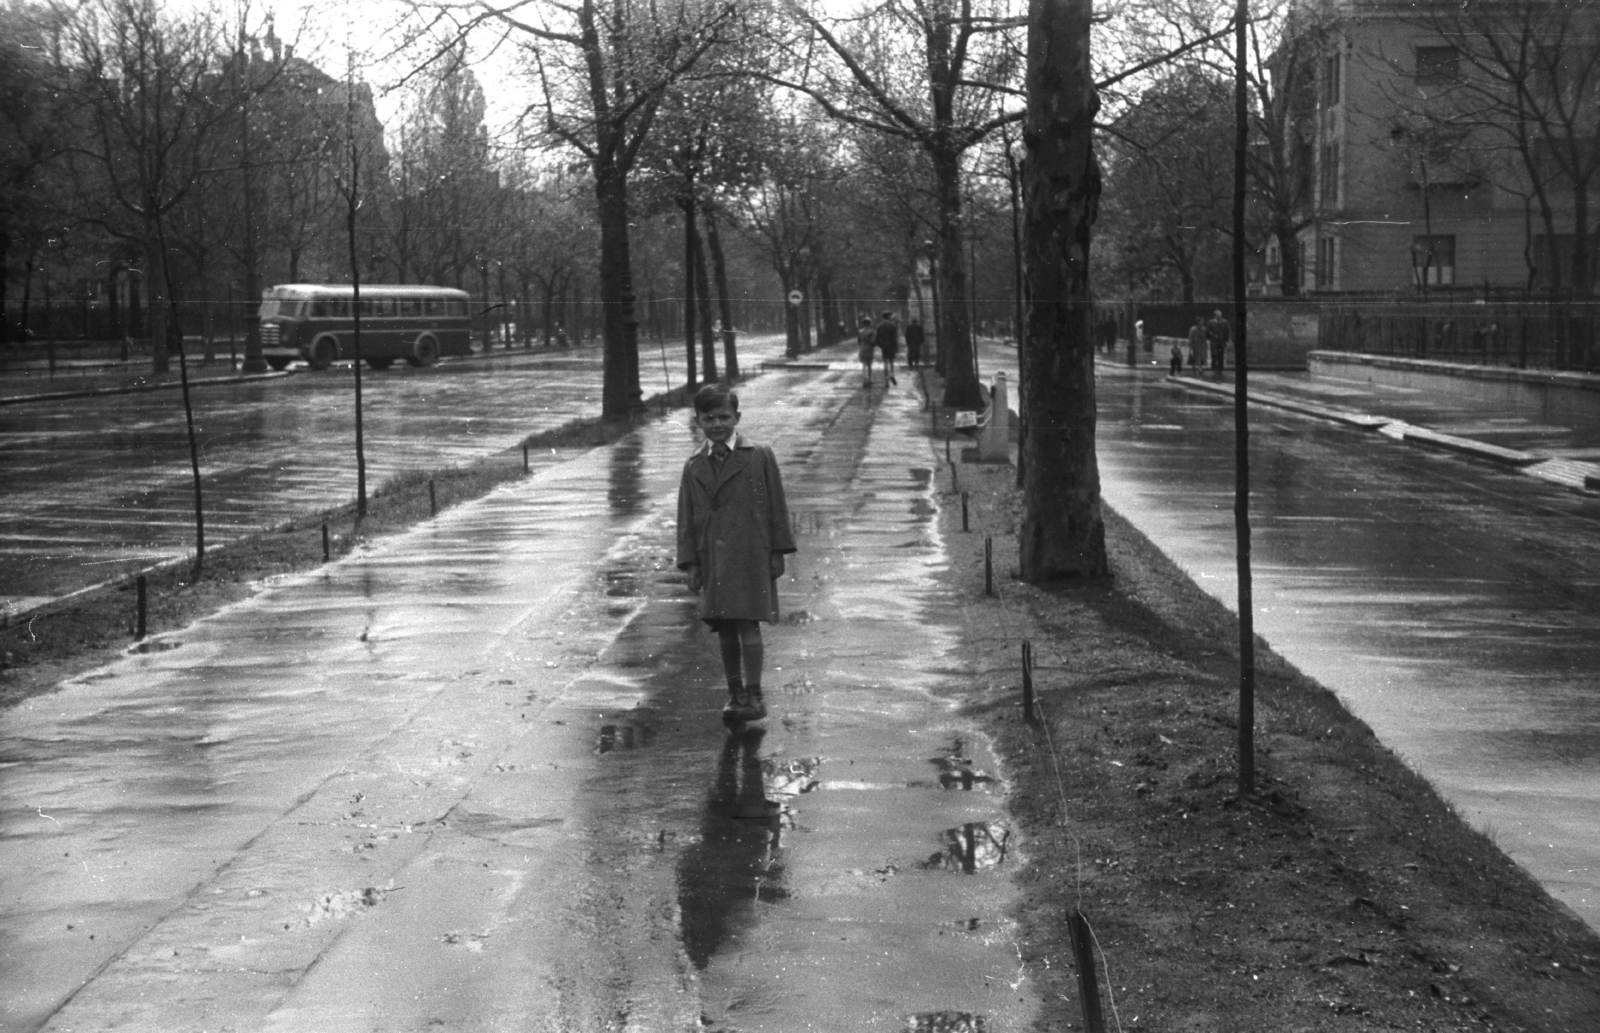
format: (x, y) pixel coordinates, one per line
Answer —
(711, 397)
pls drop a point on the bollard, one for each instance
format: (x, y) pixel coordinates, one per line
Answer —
(524, 457)
(139, 621)
(1028, 714)
(433, 500)
(964, 526)
(988, 565)
(325, 552)
(955, 478)
(947, 448)
(1088, 981)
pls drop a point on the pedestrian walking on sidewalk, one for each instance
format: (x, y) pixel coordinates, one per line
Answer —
(733, 532)
(866, 347)
(914, 339)
(888, 334)
(1197, 342)
(1217, 334)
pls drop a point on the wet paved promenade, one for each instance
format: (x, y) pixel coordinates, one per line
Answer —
(474, 777)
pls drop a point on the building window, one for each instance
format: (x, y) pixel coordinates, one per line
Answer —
(1433, 260)
(1327, 261)
(1437, 66)
(1332, 80)
(1328, 176)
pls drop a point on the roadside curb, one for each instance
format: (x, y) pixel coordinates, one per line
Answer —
(1584, 477)
(128, 389)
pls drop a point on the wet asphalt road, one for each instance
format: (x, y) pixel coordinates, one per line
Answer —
(96, 488)
(1452, 604)
(474, 778)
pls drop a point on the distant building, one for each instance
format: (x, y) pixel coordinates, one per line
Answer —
(1438, 163)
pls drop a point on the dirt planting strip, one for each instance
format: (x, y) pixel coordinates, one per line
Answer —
(1343, 894)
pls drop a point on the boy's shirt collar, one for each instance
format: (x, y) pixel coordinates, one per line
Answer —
(738, 441)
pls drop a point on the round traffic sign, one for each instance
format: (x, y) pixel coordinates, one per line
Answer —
(795, 297)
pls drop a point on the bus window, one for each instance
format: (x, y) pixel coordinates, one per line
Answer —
(411, 306)
(384, 306)
(272, 307)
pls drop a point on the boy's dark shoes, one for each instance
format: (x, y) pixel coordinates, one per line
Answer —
(755, 708)
(744, 705)
(733, 710)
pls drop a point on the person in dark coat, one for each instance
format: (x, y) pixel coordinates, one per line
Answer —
(888, 333)
(1218, 333)
(914, 339)
(1197, 342)
(866, 348)
(733, 533)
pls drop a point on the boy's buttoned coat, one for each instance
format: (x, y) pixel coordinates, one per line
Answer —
(730, 522)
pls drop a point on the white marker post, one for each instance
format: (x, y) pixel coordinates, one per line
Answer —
(994, 441)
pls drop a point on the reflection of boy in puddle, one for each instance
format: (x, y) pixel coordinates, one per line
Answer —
(733, 532)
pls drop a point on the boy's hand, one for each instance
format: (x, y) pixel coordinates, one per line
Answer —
(775, 564)
(695, 581)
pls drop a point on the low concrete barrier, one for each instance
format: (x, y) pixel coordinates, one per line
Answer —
(1545, 391)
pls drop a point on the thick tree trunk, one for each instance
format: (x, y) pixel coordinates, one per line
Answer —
(155, 285)
(719, 273)
(620, 396)
(702, 290)
(691, 363)
(1063, 535)
(955, 350)
(1289, 249)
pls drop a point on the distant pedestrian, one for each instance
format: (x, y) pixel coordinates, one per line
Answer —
(733, 532)
(888, 334)
(1217, 334)
(1175, 365)
(1197, 342)
(1108, 334)
(914, 338)
(866, 347)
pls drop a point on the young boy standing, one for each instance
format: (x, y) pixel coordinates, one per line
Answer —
(733, 532)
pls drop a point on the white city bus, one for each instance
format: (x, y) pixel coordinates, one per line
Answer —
(313, 321)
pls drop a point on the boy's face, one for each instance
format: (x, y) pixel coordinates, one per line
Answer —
(718, 424)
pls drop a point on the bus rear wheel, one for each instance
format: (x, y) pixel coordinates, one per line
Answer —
(324, 352)
(380, 364)
(424, 351)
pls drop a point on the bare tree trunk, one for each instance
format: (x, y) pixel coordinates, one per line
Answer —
(689, 299)
(702, 290)
(1063, 534)
(719, 272)
(155, 281)
(620, 395)
(955, 349)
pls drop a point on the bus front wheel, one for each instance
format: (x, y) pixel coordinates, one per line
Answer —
(324, 352)
(424, 352)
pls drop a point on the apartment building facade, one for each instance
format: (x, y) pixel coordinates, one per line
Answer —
(1430, 176)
